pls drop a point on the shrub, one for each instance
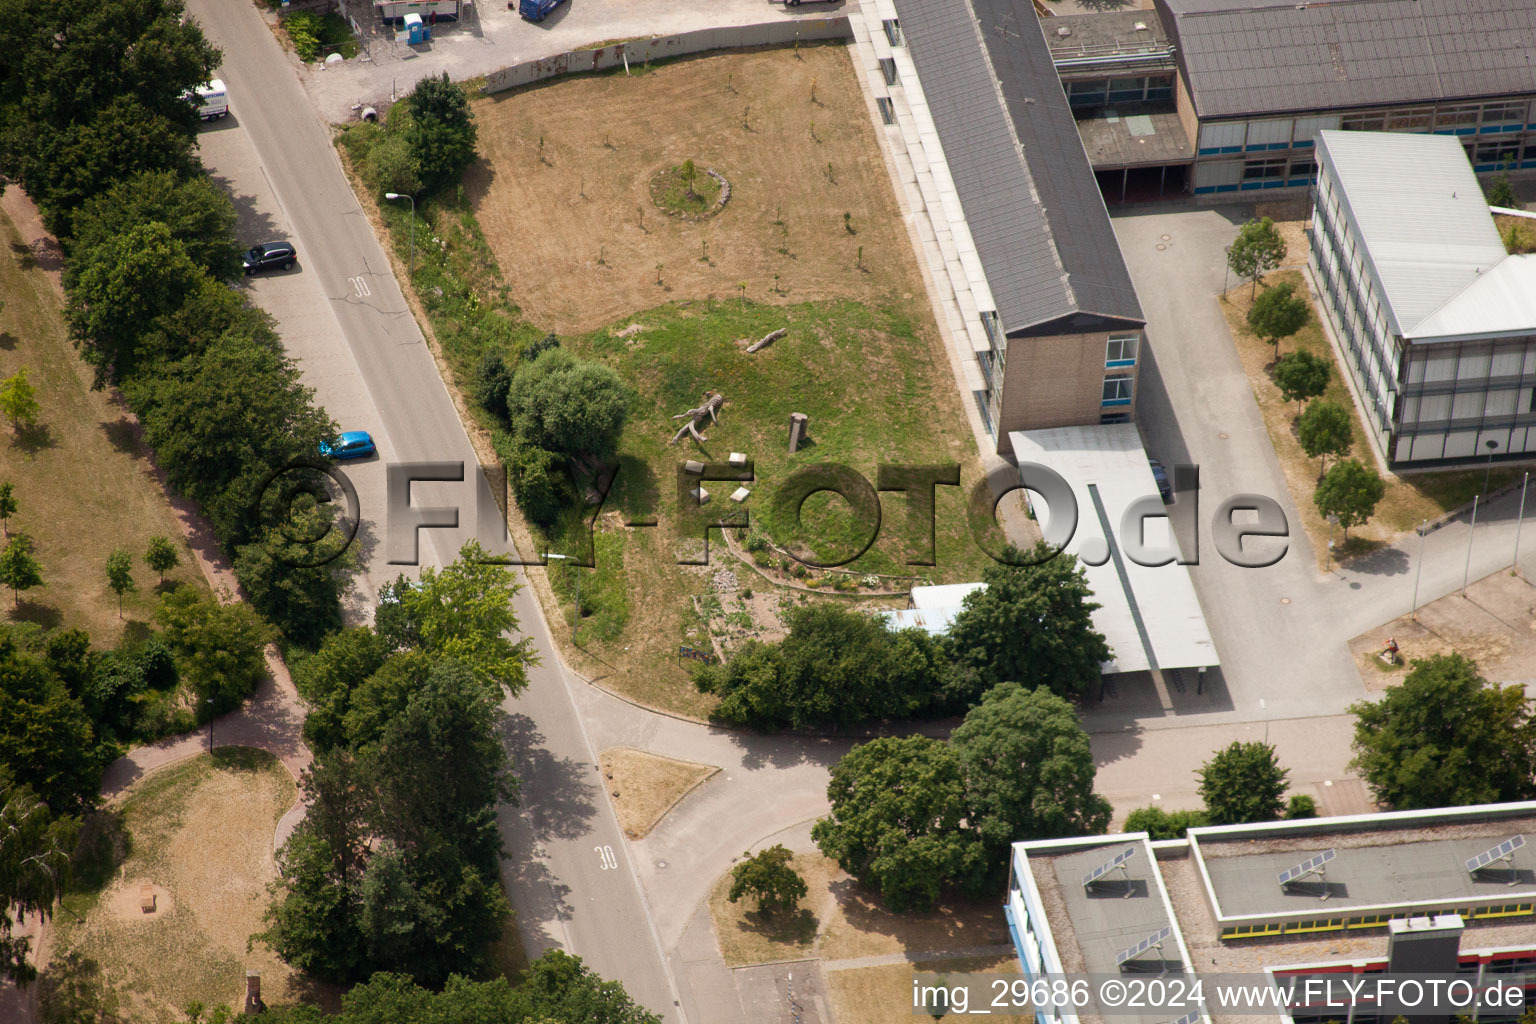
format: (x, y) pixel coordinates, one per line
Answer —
(304, 31)
(1301, 806)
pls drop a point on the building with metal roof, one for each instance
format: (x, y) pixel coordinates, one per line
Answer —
(1436, 319)
(1286, 899)
(1061, 326)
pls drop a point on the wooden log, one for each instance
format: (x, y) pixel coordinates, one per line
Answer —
(767, 340)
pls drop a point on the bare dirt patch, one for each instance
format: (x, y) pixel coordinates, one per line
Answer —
(645, 786)
(551, 215)
(841, 920)
(202, 838)
(877, 995)
(1494, 625)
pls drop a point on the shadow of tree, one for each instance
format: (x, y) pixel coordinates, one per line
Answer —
(7, 340)
(796, 929)
(32, 438)
(45, 615)
(124, 435)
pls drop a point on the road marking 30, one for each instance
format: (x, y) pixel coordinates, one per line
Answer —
(360, 287)
(606, 858)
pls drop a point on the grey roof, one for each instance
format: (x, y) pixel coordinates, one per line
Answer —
(1012, 148)
(1425, 260)
(1268, 56)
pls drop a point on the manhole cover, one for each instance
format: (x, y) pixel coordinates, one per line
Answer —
(1283, 600)
(1224, 436)
(1166, 237)
(1161, 247)
(661, 864)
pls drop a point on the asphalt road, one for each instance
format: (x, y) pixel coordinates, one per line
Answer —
(342, 313)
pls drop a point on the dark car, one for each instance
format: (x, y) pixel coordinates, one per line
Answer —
(1160, 474)
(269, 256)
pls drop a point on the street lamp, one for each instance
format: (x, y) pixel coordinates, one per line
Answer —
(1492, 446)
(410, 267)
(210, 726)
(576, 620)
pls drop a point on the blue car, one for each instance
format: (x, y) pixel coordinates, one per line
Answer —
(354, 444)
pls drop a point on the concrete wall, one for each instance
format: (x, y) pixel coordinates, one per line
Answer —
(771, 33)
(1058, 381)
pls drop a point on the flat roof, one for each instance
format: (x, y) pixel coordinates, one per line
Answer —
(1104, 35)
(1392, 873)
(1133, 139)
(1150, 615)
(1413, 853)
(1269, 56)
(943, 595)
(1426, 263)
(1040, 226)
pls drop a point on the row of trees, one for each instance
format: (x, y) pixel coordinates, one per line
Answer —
(96, 127)
(842, 667)
(914, 816)
(394, 867)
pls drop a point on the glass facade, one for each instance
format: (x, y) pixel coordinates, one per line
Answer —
(1424, 402)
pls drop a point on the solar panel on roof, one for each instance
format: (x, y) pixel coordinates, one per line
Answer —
(1192, 1017)
(1306, 867)
(1132, 952)
(1505, 851)
(1117, 861)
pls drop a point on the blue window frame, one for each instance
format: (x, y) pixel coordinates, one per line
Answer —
(1118, 390)
(1120, 351)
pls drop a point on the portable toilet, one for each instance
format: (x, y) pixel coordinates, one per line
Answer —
(415, 31)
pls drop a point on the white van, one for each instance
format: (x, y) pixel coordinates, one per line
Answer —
(212, 101)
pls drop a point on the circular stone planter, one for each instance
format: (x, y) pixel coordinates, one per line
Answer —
(662, 178)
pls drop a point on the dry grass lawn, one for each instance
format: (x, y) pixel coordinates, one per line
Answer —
(747, 936)
(883, 995)
(551, 213)
(83, 483)
(840, 920)
(645, 786)
(1409, 499)
(202, 837)
(562, 196)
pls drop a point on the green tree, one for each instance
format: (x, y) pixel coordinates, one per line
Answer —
(46, 739)
(196, 212)
(1323, 429)
(161, 556)
(1161, 824)
(73, 991)
(327, 679)
(1278, 313)
(1243, 783)
(541, 489)
(120, 576)
(220, 647)
(391, 164)
(442, 131)
(1031, 623)
(278, 571)
(687, 171)
(1028, 770)
(493, 382)
(1300, 376)
(121, 288)
(19, 568)
(312, 921)
(559, 988)
(836, 665)
(1349, 491)
(18, 399)
(1446, 737)
(1300, 806)
(1257, 250)
(568, 406)
(7, 505)
(223, 461)
(462, 612)
(34, 863)
(898, 821)
(1501, 193)
(768, 878)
